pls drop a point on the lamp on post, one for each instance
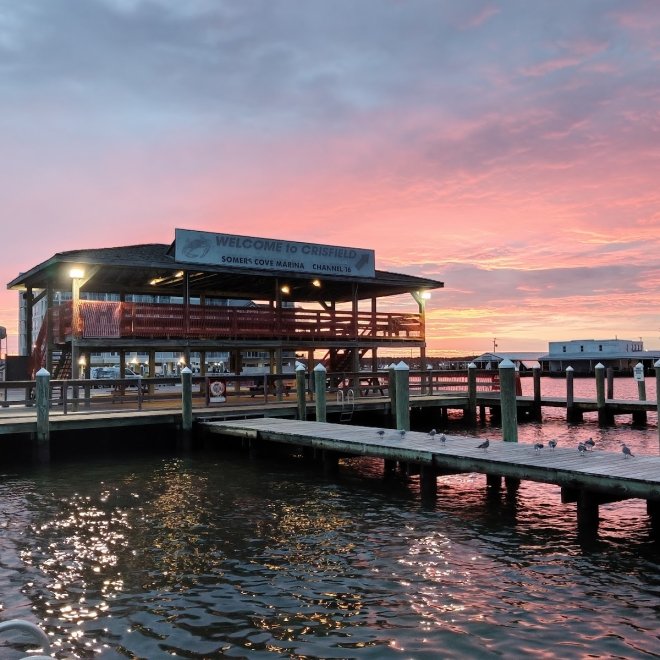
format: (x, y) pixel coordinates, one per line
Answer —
(76, 275)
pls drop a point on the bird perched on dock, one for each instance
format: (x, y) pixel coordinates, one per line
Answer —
(432, 433)
(381, 433)
(402, 433)
(538, 445)
(484, 445)
(582, 448)
(589, 443)
(443, 438)
(626, 451)
(552, 443)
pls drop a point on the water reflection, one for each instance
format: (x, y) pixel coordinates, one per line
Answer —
(214, 556)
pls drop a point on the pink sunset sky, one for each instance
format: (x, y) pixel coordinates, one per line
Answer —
(510, 149)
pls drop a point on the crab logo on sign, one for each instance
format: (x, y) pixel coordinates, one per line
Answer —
(217, 390)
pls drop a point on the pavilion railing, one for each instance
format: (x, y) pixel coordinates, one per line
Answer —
(100, 319)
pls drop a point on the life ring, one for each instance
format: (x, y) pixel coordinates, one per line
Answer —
(217, 388)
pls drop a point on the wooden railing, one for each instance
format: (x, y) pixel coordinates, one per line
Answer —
(156, 321)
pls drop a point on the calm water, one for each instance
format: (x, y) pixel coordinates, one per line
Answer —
(218, 556)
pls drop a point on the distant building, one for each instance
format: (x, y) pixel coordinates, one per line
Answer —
(523, 361)
(584, 354)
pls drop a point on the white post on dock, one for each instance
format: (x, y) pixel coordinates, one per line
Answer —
(508, 401)
(600, 393)
(657, 394)
(472, 394)
(641, 384)
(320, 373)
(301, 381)
(572, 415)
(402, 388)
(42, 395)
(186, 400)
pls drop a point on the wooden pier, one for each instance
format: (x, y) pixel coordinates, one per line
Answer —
(589, 479)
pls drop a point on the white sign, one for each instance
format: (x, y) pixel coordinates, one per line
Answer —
(201, 247)
(638, 371)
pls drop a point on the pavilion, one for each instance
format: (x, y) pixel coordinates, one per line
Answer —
(210, 292)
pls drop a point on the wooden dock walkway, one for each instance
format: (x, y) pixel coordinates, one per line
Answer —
(589, 479)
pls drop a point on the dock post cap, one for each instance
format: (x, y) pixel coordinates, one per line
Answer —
(300, 366)
(402, 366)
(657, 364)
(569, 368)
(186, 370)
(507, 364)
(43, 372)
(472, 365)
(640, 364)
(392, 366)
(600, 365)
(319, 367)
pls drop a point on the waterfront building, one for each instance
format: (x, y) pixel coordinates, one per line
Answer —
(621, 355)
(211, 295)
(522, 360)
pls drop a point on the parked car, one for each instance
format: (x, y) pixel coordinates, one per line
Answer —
(112, 373)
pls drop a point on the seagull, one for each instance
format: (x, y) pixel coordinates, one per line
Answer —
(589, 443)
(582, 448)
(538, 445)
(552, 443)
(484, 445)
(432, 433)
(402, 433)
(626, 451)
(381, 433)
(443, 437)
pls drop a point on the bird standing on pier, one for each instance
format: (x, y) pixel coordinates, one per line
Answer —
(484, 445)
(443, 437)
(381, 433)
(402, 433)
(538, 445)
(589, 443)
(582, 448)
(552, 443)
(626, 451)
(432, 433)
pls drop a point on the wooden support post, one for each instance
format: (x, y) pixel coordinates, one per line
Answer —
(508, 401)
(536, 375)
(587, 512)
(389, 467)
(572, 413)
(600, 394)
(330, 462)
(428, 482)
(657, 393)
(402, 387)
(152, 369)
(639, 417)
(43, 406)
(494, 481)
(301, 381)
(186, 409)
(512, 485)
(471, 412)
(320, 373)
(609, 374)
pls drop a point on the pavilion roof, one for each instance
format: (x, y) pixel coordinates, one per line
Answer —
(133, 268)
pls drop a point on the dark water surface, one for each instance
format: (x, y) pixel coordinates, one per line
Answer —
(215, 555)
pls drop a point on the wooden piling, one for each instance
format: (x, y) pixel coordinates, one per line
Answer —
(42, 395)
(508, 403)
(428, 482)
(301, 381)
(185, 439)
(471, 412)
(572, 413)
(609, 373)
(536, 409)
(320, 373)
(600, 394)
(657, 393)
(391, 388)
(402, 388)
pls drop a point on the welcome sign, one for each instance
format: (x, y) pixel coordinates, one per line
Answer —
(210, 249)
